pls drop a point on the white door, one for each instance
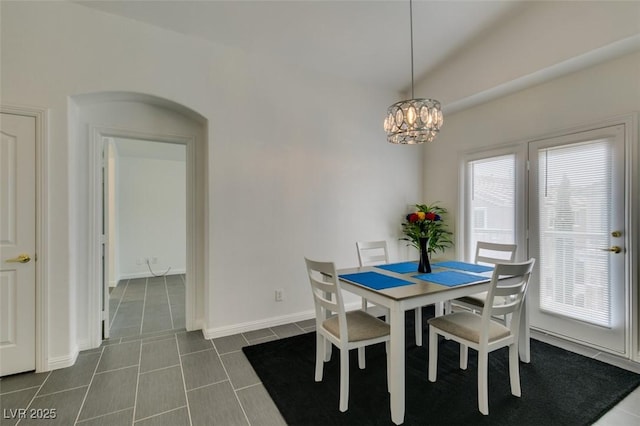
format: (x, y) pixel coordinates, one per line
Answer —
(577, 233)
(17, 243)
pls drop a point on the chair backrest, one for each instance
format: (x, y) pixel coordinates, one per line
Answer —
(509, 283)
(493, 253)
(372, 253)
(327, 296)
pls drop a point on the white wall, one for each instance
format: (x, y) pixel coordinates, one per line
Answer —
(151, 214)
(589, 96)
(297, 163)
(538, 35)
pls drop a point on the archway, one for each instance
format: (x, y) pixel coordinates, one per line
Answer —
(98, 117)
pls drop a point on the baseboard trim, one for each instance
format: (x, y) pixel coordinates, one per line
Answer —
(147, 274)
(589, 352)
(229, 330)
(55, 363)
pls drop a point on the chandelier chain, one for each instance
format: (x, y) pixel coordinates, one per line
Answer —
(411, 32)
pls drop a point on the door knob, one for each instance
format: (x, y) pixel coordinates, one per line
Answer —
(614, 249)
(22, 258)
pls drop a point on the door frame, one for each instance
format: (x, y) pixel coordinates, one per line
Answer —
(42, 285)
(631, 221)
(97, 135)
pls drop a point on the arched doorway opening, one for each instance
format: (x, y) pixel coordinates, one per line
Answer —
(97, 119)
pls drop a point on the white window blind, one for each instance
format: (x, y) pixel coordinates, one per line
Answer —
(574, 214)
(490, 207)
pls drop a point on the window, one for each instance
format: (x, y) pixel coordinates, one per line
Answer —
(490, 201)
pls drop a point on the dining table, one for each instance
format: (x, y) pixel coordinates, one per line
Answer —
(400, 287)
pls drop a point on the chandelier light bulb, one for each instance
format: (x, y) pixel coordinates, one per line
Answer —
(411, 116)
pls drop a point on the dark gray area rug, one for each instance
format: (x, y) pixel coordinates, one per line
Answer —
(558, 387)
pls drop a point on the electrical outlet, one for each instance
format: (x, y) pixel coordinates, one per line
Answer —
(279, 295)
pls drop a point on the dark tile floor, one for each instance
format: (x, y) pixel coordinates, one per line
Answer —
(153, 372)
(146, 305)
(150, 372)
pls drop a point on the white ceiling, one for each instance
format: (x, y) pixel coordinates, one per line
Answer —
(367, 41)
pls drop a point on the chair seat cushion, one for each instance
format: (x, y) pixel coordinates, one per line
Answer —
(467, 325)
(360, 325)
(479, 299)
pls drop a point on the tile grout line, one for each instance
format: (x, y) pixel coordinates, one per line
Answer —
(124, 291)
(135, 397)
(196, 352)
(115, 369)
(166, 290)
(211, 384)
(184, 383)
(35, 395)
(235, 393)
(103, 415)
(250, 386)
(162, 413)
(622, 409)
(160, 369)
(21, 390)
(144, 303)
(84, 398)
(61, 391)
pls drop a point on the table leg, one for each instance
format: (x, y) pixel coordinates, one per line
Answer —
(397, 379)
(525, 334)
(418, 326)
(440, 309)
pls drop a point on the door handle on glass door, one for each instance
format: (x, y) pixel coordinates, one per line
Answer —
(614, 249)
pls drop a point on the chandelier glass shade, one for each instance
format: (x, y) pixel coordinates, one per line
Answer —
(413, 121)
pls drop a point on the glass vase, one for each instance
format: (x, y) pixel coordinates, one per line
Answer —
(424, 266)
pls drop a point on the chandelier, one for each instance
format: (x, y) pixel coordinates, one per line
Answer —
(415, 120)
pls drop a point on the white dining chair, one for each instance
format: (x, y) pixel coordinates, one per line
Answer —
(372, 253)
(345, 330)
(482, 332)
(487, 254)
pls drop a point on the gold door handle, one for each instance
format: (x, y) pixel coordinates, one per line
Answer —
(614, 249)
(22, 258)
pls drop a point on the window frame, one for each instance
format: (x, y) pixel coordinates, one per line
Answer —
(464, 225)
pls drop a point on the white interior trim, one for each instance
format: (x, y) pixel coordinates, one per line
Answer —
(42, 243)
(63, 361)
(95, 225)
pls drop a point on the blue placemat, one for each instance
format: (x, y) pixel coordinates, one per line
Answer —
(450, 278)
(375, 280)
(400, 268)
(464, 266)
